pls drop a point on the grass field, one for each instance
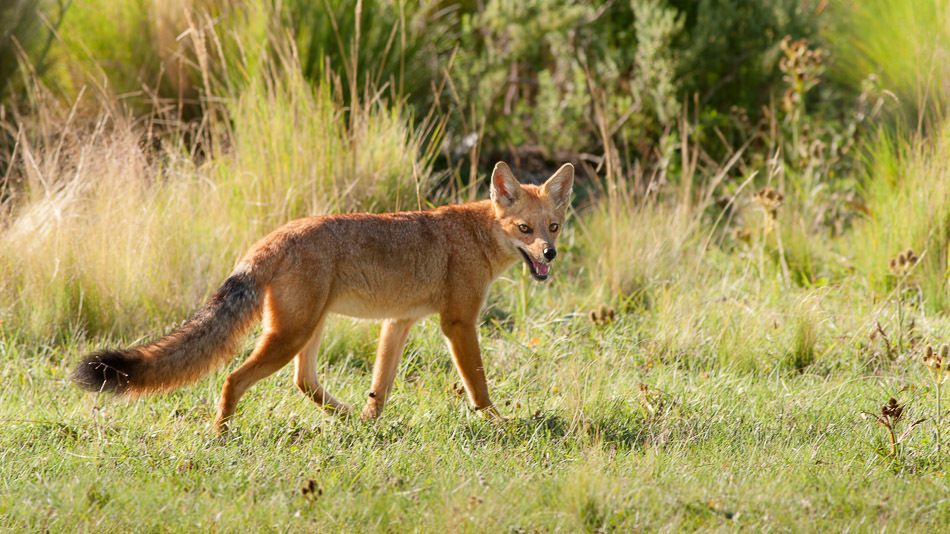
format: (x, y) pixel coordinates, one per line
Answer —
(707, 446)
(706, 356)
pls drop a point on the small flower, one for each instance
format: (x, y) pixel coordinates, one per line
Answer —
(311, 489)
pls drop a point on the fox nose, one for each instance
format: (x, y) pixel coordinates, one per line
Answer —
(550, 253)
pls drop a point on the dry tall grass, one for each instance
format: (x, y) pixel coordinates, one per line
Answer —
(112, 227)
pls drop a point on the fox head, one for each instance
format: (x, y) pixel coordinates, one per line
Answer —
(531, 216)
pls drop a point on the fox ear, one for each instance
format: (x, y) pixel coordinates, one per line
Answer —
(505, 189)
(559, 185)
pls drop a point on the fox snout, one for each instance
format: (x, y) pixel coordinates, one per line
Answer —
(539, 269)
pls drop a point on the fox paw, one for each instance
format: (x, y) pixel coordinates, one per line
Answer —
(490, 413)
(370, 411)
(223, 433)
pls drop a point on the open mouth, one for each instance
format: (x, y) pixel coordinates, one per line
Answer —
(538, 270)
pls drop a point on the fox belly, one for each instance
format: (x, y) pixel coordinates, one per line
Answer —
(401, 285)
(392, 305)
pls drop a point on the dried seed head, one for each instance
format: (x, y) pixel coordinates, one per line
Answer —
(892, 409)
(602, 315)
(929, 359)
(740, 234)
(901, 264)
(770, 200)
(935, 363)
(786, 43)
(311, 489)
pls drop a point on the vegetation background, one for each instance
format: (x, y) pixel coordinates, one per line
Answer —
(733, 307)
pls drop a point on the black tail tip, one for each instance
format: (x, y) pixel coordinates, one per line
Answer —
(106, 370)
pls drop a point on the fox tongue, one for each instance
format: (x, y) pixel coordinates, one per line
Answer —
(541, 268)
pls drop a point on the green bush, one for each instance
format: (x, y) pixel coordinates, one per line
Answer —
(536, 68)
(19, 31)
(386, 44)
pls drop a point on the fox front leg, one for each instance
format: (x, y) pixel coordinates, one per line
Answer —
(392, 342)
(463, 343)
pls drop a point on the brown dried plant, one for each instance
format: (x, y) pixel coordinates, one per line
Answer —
(901, 267)
(890, 417)
(603, 315)
(770, 200)
(652, 400)
(802, 67)
(938, 367)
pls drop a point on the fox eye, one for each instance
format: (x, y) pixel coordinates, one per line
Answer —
(554, 227)
(525, 229)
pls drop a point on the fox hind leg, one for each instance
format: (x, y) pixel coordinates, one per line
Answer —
(287, 329)
(305, 375)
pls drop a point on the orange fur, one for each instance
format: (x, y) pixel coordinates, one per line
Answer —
(398, 267)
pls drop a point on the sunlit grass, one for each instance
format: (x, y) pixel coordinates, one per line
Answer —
(903, 45)
(735, 339)
(717, 448)
(108, 235)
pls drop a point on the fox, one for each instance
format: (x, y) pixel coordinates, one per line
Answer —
(393, 267)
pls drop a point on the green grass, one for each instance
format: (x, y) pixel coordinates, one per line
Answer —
(901, 44)
(756, 423)
(725, 449)
(726, 395)
(753, 421)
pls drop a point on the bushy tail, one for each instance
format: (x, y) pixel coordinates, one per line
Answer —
(207, 340)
